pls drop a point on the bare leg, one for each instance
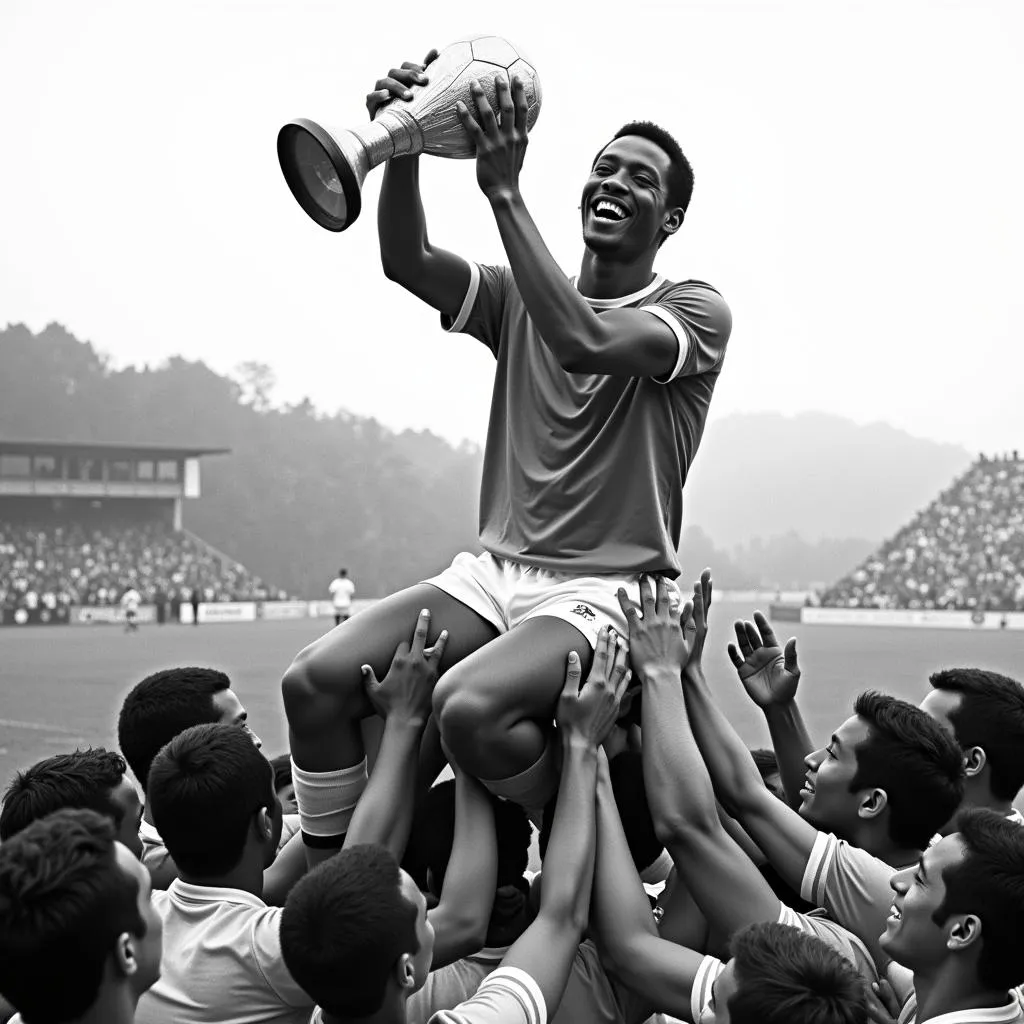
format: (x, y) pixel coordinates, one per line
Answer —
(495, 708)
(323, 687)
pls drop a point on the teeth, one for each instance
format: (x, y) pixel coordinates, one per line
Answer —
(604, 206)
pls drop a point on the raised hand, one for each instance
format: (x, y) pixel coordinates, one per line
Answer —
(407, 688)
(398, 82)
(658, 640)
(768, 674)
(695, 630)
(500, 145)
(883, 1006)
(586, 714)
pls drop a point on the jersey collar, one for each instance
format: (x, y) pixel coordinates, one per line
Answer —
(622, 300)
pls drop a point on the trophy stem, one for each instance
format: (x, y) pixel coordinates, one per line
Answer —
(393, 133)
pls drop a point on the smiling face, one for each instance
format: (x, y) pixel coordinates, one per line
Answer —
(826, 800)
(911, 935)
(625, 206)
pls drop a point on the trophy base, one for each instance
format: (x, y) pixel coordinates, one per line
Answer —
(324, 179)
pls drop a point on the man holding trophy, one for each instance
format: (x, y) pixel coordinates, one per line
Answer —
(602, 387)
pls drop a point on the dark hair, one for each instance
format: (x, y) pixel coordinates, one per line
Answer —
(204, 788)
(433, 836)
(766, 761)
(344, 927)
(915, 760)
(161, 706)
(989, 882)
(627, 775)
(83, 779)
(282, 765)
(63, 903)
(786, 977)
(990, 716)
(680, 183)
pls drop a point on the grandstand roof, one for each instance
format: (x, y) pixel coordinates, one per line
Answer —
(38, 445)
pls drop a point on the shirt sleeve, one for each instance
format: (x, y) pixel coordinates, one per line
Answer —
(507, 996)
(701, 321)
(852, 885)
(700, 995)
(835, 936)
(265, 941)
(483, 306)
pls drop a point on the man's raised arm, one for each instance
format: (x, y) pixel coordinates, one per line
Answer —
(439, 278)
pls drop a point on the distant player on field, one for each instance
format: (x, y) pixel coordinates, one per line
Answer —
(602, 387)
(130, 601)
(342, 590)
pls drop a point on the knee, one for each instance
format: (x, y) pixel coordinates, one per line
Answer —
(308, 686)
(466, 718)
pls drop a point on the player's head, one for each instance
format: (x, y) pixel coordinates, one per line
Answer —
(284, 784)
(94, 779)
(433, 837)
(778, 975)
(627, 775)
(985, 710)
(75, 918)
(643, 173)
(343, 573)
(212, 797)
(964, 902)
(889, 764)
(168, 702)
(768, 768)
(355, 932)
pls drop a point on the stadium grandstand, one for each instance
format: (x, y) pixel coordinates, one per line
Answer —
(964, 552)
(82, 523)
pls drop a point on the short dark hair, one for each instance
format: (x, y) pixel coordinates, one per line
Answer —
(63, 902)
(82, 779)
(161, 706)
(766, 761)
(915, 760)
(282, 765)
(786, 977)
(204, 788)
(990, 716)
(344, 927)
(433, 836)
(627, 776)
(680, 183)
(989, 882)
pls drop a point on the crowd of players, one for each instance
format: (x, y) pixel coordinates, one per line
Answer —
(877, 877)
(965, 551)
(58, 566)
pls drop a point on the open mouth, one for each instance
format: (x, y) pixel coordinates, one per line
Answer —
(609, 209)
(808, 785)
(895, 914)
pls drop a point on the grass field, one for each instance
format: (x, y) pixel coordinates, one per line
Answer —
(62, 686)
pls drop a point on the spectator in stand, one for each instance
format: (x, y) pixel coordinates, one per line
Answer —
(965, 551)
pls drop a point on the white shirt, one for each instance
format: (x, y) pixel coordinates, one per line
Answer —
(130, 600)
(508, 996)
(341, 591)
(222, 962)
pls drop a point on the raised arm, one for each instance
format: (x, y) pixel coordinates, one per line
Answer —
(726, 884)
(438, 277)
(384, 812)
(461, 917)
(660, 971)
(770, 675)
(623, 342)
(546, 950)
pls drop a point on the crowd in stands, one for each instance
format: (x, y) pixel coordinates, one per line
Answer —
(964, 551)
(57, 566)
(683, 877)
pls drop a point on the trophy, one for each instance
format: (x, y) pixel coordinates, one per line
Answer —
(325, 167)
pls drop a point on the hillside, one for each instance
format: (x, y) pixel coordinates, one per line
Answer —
(771, 501)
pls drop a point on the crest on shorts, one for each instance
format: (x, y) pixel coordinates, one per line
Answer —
(585, 611)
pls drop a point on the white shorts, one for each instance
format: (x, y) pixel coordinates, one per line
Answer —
(506, 593)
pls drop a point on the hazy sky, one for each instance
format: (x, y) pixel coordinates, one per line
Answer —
(858, 197)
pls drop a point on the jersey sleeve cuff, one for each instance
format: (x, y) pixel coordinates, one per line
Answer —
(812, 885)
(700, 995)
(682, 338)
(467, 303)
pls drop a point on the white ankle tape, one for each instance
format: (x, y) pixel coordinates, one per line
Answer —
(327, 799)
